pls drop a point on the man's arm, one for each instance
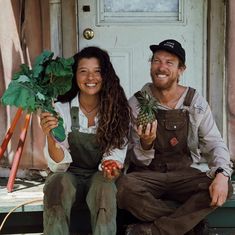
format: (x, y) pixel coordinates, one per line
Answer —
(217, 154)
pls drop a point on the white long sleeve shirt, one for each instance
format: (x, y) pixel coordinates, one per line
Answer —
(63, 110)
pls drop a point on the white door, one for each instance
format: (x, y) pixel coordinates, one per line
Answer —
(127, 28)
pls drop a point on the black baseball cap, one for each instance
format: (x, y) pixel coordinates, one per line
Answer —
(172, 46)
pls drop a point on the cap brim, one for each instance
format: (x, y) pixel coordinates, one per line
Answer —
(155, 48)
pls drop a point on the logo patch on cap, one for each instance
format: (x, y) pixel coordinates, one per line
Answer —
(169, 44)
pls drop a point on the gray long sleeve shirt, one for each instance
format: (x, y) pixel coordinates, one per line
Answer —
(204, 138)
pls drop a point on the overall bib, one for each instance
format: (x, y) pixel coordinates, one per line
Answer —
(168, 177)
(81, 186)
(171, 148)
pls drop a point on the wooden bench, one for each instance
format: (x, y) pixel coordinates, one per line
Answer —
(28, 218)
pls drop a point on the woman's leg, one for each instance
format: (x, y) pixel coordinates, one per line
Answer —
(101, 200)
(59, 196)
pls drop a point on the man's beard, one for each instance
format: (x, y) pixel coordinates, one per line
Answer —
(160, 86)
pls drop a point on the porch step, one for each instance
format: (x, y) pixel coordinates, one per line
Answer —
(224, 217)
(25, 191)
(28, 218)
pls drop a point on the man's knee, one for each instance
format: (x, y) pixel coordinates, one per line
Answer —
(122, 184)
(125, 188)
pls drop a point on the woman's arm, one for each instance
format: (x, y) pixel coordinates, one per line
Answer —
(56, 154)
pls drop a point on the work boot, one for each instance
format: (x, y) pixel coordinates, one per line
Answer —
(139, 229)
(202, 228)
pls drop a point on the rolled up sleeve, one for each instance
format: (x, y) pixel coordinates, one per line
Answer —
(61, 166)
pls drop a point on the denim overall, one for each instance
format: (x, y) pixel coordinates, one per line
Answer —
(169, 177)
(81, 186)
(171, 149)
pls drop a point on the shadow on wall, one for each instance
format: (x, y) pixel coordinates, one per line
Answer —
(24, 25)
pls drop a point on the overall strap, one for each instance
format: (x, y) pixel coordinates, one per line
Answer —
(189, 96)
(138, 95)
(74, 118)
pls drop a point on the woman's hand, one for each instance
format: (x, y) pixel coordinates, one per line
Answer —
(111, 169)
(48, 122)
(148, 136)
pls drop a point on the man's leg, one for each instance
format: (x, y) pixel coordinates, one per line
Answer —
(140, 192)
(191, 188)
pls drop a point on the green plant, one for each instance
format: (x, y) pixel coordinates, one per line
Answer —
(147, 109)
(37, 88)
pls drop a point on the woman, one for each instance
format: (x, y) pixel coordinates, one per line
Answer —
(84, 167)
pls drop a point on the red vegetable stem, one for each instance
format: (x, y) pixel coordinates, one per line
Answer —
(10, 132)
(18, 154)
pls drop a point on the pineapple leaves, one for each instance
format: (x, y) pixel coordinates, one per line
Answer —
(36, 88)
(147, 109)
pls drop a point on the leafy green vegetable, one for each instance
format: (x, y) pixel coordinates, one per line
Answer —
(36, 88)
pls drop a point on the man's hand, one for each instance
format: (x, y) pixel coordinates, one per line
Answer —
(147, 138)
(111, 169)
(219, 190)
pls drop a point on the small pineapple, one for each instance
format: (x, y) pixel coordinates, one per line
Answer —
(147, 108)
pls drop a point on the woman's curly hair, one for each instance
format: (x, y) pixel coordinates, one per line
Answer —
(114, 112)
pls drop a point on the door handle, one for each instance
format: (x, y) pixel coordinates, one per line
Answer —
(88, 34)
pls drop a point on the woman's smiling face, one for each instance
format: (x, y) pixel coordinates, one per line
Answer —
(88, 76)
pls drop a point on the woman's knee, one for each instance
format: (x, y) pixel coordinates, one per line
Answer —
(101, 194)
(58, 187)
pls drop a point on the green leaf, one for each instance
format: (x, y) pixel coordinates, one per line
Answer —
(60, 74)
(24, 70)
(20, 96)
(37, 71)
(37, 87)
(40, 96)
(39, 62)
(23, 78)
(44, 56)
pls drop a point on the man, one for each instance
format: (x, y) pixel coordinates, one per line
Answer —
(164, 156)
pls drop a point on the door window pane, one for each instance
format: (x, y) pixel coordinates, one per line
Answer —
(141, 6)
(139, 11)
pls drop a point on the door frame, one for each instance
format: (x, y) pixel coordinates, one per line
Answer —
(216, 62)
(64, 42)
